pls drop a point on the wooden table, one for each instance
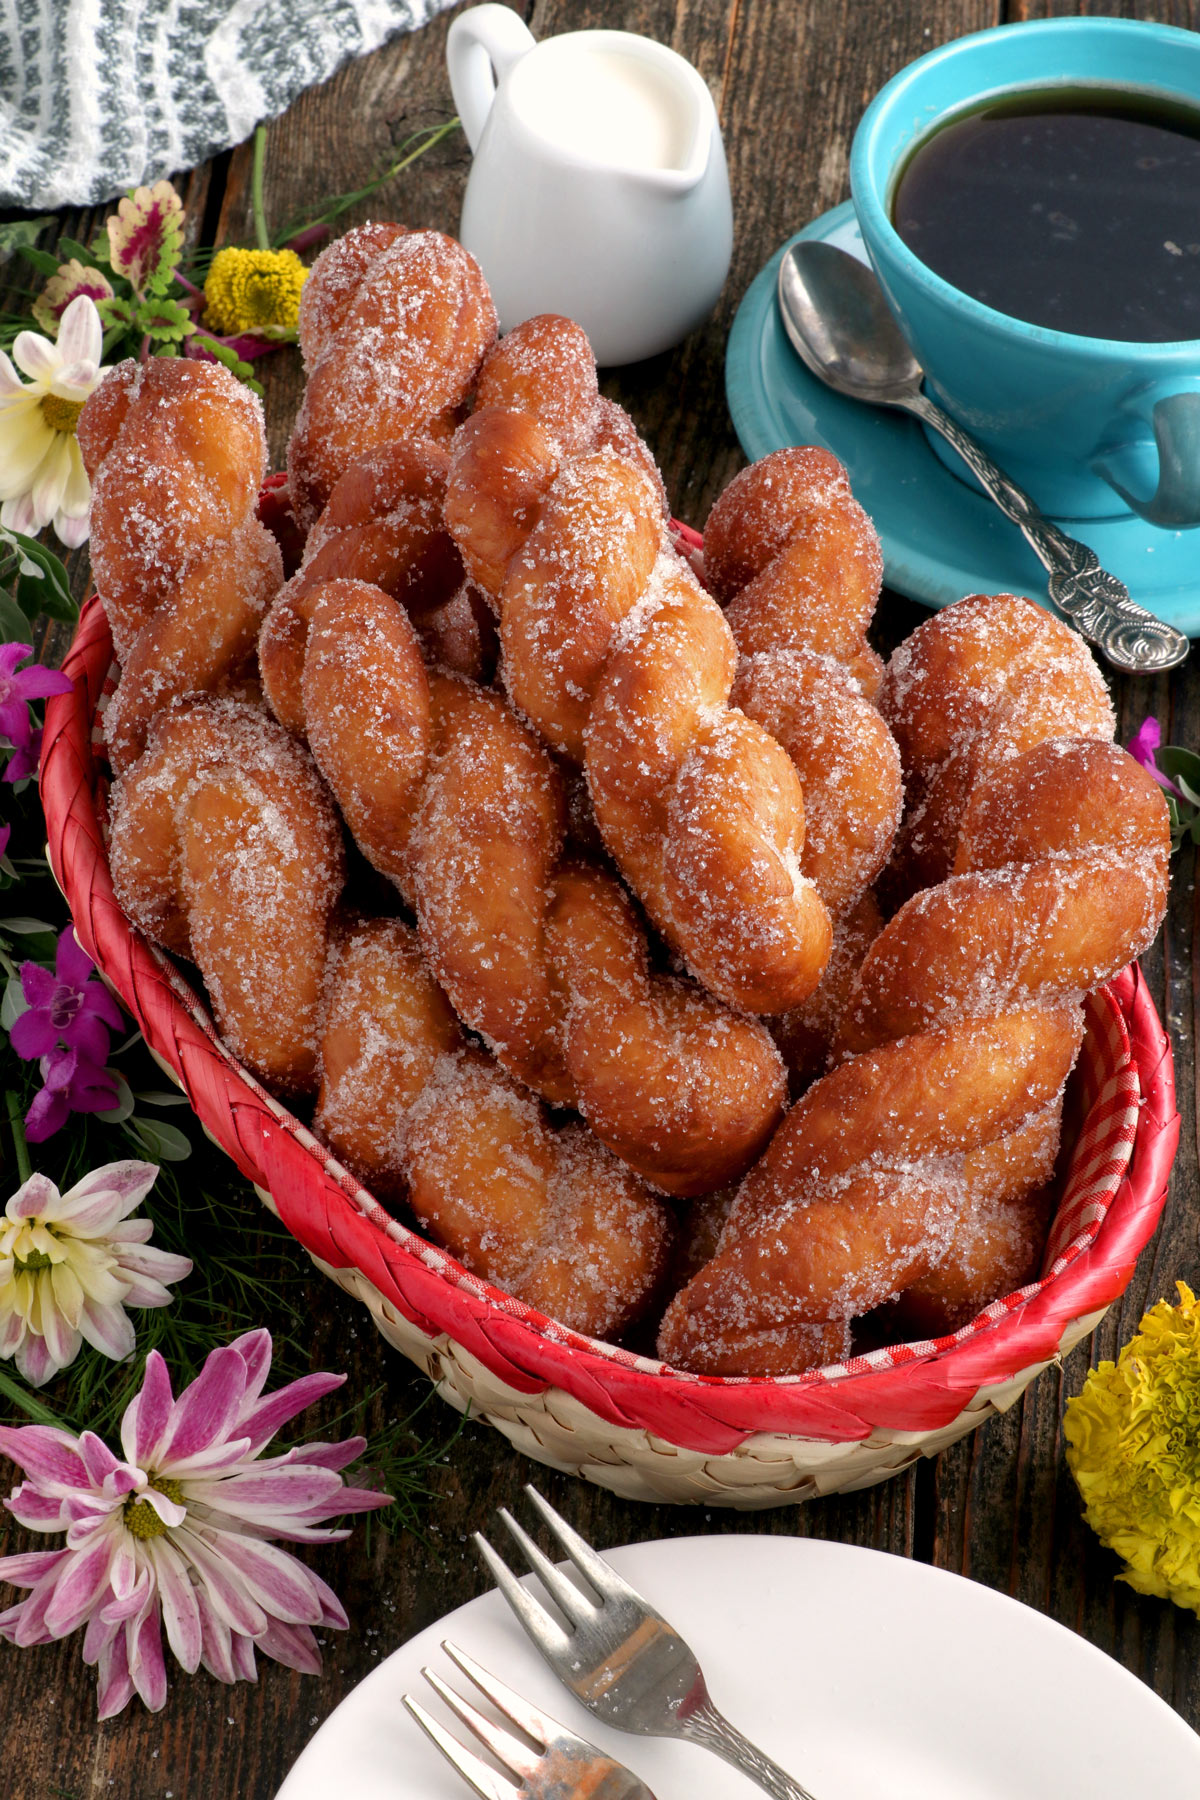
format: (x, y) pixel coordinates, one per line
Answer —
(791, 78)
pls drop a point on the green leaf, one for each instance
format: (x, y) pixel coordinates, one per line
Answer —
(116, 312)
(112, 339)
(14, 1390)
(164, 319)
(414, 146)
(14, 626)
(44, 261)
(71, 247)
(160, 1141)
(145, 237)
(1174, 760)
(40, 947)
(229, 358)
(22, 927)
(154, 1097)
(20, 234)
(13, 1004)
(48, 591)
(117, 1115)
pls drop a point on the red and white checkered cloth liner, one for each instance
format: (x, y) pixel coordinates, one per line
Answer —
(1114, 1188)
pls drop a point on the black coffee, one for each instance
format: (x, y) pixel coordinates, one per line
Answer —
(1076, 208)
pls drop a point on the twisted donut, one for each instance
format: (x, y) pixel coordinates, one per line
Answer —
(225, 848)
(849, 768)
(622, 661)
(795, 561)
(393, 326)
(548, 1214)
(981, 682)
(961, 1027)
(176, 451)
(383, 524)
(456, 801)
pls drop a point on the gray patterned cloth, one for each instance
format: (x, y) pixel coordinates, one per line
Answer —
(97, 96)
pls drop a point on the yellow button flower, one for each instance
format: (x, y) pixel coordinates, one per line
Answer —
(1133, 1446)
(254, 291)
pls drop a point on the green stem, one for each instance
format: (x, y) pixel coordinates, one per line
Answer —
(24, 1167)
(425, 140)
(20, 1396)
(261, 235)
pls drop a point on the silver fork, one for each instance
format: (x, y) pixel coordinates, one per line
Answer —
(562, 1765)
(620, 1657)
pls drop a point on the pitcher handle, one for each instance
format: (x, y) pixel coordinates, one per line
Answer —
(482, 47)
(1175, 419)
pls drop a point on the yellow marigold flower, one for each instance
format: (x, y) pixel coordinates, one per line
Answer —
(256, 291)
(1133, 1446)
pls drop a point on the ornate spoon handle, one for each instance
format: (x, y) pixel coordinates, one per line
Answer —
(709, 1727)
(1097, 604)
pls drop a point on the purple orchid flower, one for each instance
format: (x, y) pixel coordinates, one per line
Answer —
(17, 690)
(72, 1084)
(5, 834)
(67, 1007)
(1143, 747)
(26, 755)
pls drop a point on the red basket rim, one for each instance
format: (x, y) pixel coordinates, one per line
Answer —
(342, 1225)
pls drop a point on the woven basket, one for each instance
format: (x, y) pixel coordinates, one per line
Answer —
(627, 1422)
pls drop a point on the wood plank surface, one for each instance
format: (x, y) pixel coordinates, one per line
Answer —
(791, 78)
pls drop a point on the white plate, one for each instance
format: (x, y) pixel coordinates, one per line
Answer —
(869, 1677)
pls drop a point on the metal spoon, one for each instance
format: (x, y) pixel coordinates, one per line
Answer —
(839, 324)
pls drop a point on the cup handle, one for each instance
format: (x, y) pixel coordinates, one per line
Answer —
(482, 47)
(1175, 502)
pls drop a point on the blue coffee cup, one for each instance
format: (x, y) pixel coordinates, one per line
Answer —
(1091, 427)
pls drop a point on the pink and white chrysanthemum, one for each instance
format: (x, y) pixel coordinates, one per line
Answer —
(71, 1263)
(176, 1535)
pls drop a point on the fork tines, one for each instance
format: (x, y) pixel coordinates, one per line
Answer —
(506, 1748)
(560, 1764)
(571, 1602)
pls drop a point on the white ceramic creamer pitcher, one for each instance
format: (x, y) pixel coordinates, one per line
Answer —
(599, 186)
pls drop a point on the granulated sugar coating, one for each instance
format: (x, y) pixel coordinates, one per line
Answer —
(177, 452)
(332, 283)
(383, 524)
(366, 704)
(550, 1215)
(226, 847)
(796, 562)
(395, 353)
(184, 742)
(970, 689)
(962, 1022)
(687, 1091)
(847, 761)
(750, 804)
(415, 1114)
(548, 962)
(202, 639)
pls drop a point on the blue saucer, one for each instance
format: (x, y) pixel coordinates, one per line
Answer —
(941, 539)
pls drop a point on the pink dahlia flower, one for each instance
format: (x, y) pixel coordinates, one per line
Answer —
(175, 1536)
